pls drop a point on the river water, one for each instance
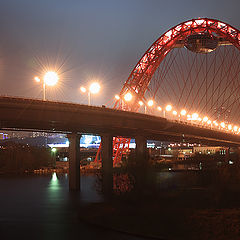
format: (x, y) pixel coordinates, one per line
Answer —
(41, 206)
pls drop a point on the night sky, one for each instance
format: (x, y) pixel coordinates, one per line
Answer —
(88, 40)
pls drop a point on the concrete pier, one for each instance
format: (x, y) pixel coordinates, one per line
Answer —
(74, 161)
(107, 162)
(141, 149)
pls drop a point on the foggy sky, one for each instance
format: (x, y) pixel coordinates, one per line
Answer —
(92, 40)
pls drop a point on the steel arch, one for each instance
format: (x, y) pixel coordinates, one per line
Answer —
(140, 77)
(142, 73)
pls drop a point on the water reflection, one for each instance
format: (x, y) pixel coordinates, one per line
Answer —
(123, 183)
(54, 183)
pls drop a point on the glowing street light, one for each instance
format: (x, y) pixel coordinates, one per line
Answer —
(150, 103)
(222, 124)
(183, 112)
(205, 119)
(49, 79)
(93, 88)
(159, 108)
(229, 127)
(235, 128)
(83, 89)
(128, 97)
(174, 113)
(168, 108)
(37, 79)
(117, 97)
(141, 104)
(194, 116)
(54, 150)
(215, 123)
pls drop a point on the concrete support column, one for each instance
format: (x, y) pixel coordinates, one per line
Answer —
(141, 149)
(107, 162)
(141, 169)
(74, 161)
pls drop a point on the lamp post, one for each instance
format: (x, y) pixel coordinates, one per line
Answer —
(93, 88)
(150, 104)
(49, 79)
(168, 108)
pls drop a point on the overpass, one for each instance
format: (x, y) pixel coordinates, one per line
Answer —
(30, 114)
(75, 119)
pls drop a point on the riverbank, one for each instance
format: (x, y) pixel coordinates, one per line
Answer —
(165, 220)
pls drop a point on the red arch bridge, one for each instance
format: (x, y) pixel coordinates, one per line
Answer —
(75, 119)
(190, 73)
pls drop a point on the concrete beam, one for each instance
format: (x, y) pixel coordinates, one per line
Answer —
(74, 161)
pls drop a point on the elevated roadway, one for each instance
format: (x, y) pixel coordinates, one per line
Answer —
(37, 115)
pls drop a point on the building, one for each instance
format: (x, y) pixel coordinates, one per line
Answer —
(209, 150)
(3, 136)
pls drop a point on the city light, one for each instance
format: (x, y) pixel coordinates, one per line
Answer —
(174, 112)
(53, 150)
(50, 78)
(168, 108)
(194, 116)
(37, 79)
(222, 124)
(150, 103)
(94, 88)
(183, 112)
(83, 89)
(205, 119)
(128, 97)
(54, 177)
(235, 128)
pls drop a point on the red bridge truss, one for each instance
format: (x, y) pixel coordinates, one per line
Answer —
(138, 82)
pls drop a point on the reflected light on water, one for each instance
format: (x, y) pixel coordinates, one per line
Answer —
(54, 184)
(54, 177)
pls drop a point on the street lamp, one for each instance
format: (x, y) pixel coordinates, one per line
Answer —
(194, 116)
(174, 113)
(183, 112)
(117, 97)
(49, 79)
(168, 108)
(128, 97)
(93, 88)
(205, 119)
(150, 103)
(222, 124)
